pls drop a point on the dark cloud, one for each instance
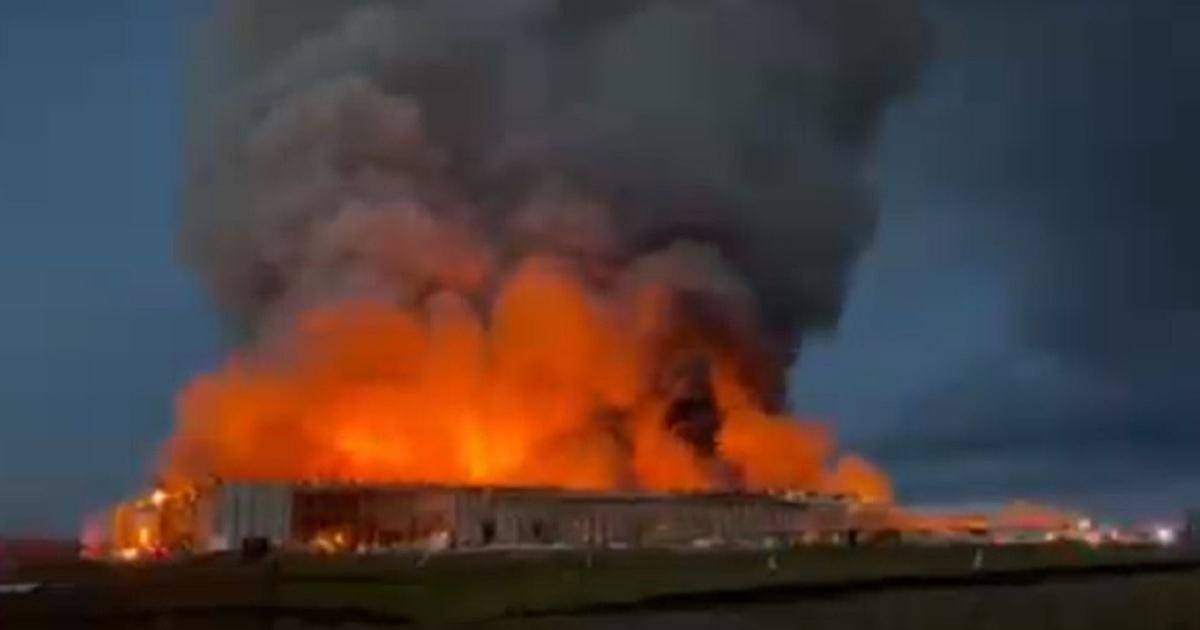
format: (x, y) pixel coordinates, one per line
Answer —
(1044, 409)
(1096, 162)
(747, 126)
(1062, 135)
(1103, 461)
(1107, 288)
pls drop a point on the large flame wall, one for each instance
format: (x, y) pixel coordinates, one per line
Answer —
(486, 242)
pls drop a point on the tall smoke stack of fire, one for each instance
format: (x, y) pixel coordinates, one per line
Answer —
(469, 242)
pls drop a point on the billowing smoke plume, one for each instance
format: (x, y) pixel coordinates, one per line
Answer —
(656, 188)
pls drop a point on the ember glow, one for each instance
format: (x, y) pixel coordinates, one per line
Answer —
(554, 391)
(468, 245)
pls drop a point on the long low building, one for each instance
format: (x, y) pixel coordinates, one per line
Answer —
(347, 517)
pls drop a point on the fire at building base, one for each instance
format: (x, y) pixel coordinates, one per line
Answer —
(364, 518)
(354, 518)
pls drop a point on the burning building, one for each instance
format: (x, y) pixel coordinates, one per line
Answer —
(1012, 522)
(529, 244)
(352, 517)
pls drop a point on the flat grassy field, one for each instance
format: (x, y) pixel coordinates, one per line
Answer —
(1136, 602)
(461, 587)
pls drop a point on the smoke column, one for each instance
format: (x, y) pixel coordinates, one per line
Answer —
(490, 234)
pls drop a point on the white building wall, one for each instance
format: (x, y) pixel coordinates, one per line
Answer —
(243, 510)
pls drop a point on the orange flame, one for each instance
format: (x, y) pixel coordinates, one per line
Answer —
(363, 390)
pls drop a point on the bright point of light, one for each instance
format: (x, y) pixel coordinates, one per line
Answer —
(1084, 524)
(158, 497)
(1164, 535)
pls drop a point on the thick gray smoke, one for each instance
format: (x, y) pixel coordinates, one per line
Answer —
(723, 146)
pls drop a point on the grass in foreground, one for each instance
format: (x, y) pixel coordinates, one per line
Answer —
(473, 586)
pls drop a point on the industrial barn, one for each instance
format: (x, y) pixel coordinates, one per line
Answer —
(349, 517)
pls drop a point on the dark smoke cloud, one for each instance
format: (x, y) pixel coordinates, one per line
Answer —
(741, 126)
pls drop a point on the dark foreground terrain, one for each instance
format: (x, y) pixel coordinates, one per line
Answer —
(1147, 602)
(895, 587)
